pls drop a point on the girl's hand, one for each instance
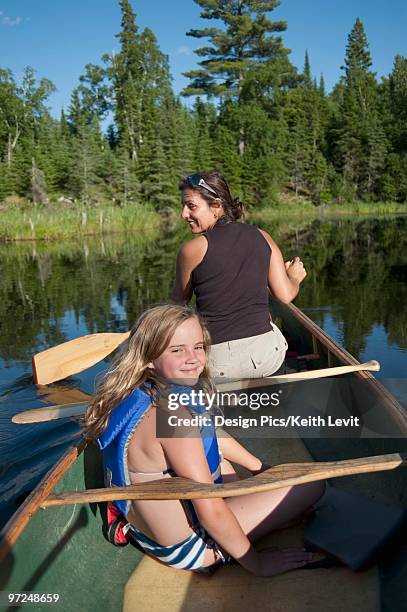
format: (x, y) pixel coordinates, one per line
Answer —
(295, 270)
(273, 561)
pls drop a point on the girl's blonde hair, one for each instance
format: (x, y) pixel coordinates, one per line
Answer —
(149, 338)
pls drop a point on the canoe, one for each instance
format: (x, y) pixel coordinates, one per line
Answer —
(61, 551)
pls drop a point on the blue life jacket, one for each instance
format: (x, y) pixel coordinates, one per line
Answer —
(122, 423)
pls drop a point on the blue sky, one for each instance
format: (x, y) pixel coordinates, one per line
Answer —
(58, 37)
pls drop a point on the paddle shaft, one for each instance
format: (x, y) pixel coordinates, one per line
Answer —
(277, 477)
(62, 411)
(38, 415)
(249, 383)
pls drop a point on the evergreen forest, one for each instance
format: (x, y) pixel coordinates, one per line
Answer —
(274, 131)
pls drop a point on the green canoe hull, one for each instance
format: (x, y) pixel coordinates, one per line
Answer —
(62, 550)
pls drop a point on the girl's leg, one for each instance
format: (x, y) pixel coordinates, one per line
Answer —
(260, 513)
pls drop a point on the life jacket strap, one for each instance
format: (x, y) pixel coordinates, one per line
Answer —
(117, 527)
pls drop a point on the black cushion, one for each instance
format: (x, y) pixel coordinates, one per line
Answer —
(352, 528)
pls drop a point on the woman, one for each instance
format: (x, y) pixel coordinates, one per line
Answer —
(167, 352)
(230, 267)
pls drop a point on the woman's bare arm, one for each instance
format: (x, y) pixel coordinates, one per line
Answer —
(235, 452)
(283, 279)
(189, 257)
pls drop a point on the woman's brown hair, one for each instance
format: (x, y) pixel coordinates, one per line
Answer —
(234, 209)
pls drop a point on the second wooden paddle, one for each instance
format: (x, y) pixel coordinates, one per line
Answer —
(38, 415)
(277, 477)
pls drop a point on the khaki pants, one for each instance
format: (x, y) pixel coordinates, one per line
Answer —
(252, 357)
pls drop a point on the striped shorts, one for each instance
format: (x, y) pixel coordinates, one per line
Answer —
(186, 555)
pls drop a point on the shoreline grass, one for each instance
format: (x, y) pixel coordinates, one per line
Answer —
(307, 209)
(78, 222)
(59, 224)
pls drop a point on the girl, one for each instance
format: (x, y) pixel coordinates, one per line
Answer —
(229, 267)
(167, 352)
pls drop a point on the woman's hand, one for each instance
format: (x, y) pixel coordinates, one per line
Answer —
(273, 561)
(283, 278)
(263, 467)
(233, 451)
(295, 270)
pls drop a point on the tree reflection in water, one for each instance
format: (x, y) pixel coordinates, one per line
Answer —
(357, 271)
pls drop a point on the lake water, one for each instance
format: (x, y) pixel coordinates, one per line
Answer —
(356, 290)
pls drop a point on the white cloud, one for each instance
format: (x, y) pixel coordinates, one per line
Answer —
(184, 51)
(9, 21)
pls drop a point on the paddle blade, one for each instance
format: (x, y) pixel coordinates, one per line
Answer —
(74, 356)
(58, 394)
(40, 415)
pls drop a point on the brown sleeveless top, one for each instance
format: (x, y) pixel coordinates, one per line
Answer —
(231, 282)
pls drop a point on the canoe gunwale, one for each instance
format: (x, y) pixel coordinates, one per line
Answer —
(20, 519)
(389, 402)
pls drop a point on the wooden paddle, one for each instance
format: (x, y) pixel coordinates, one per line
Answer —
(74, 356)
(250, 383)
(284, 475)
(41, 415)
(38, 415)
(62, 395)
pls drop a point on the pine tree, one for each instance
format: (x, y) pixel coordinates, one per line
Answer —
(95, 92)
(124, 70)
(394, 114)
(321, 85)
(183, 145)
(11, 116)
(125, 185)
(262, 162)
(139, 72)
(61, 144)
(112, 136)
(361, 144)
(157, 187)
(47, 144)
(397, 85)
(306, 114)
(307, 72)
(226, 157)
(86, 155)
(177, 135)
(245, 59)
(247, 41)
(205, 124)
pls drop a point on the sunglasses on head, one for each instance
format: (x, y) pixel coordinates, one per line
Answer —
(196, 180)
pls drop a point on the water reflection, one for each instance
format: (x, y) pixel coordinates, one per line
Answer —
(356, 281)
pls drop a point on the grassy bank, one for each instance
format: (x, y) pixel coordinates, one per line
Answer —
(75, 222)
(29, 223)
(307, 209)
